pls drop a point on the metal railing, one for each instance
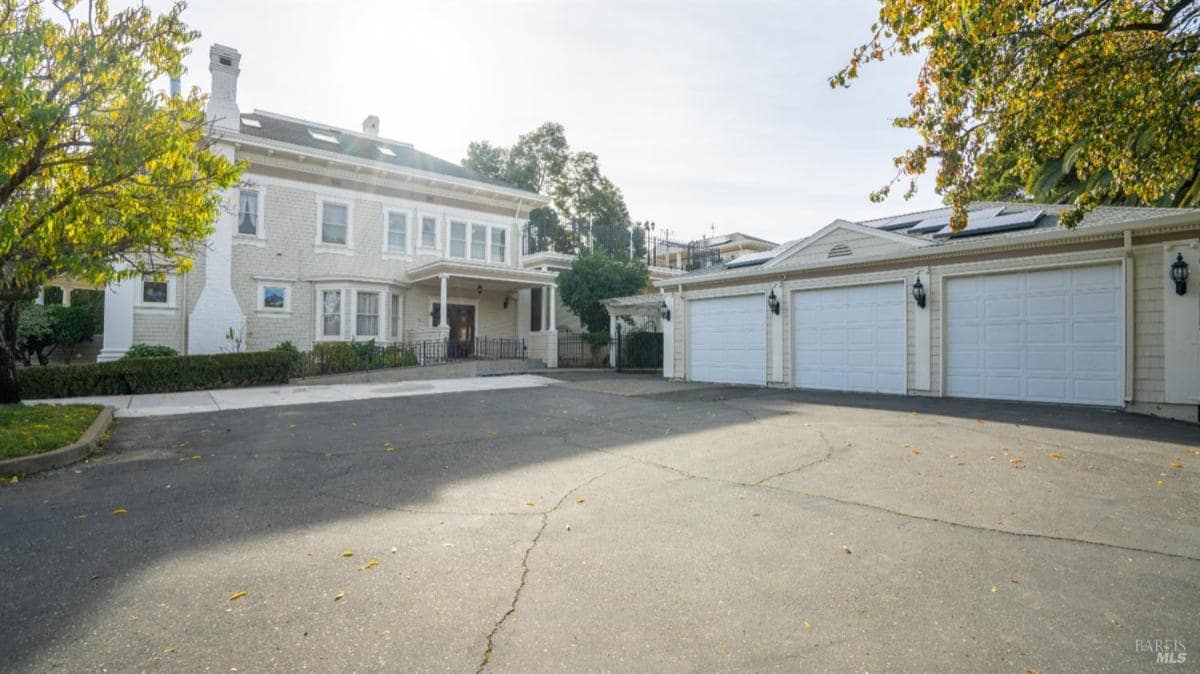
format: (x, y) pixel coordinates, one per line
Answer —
(487, 348)
(575, 350)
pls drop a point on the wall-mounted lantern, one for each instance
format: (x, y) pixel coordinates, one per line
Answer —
(479, 289)
(664, 310)
(1179, 274)
(773, 302)
(918, 292)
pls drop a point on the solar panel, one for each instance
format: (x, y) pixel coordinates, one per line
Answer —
(995, 222)
(941, 222)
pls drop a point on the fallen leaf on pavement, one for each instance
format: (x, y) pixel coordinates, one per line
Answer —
(808, 625)
(169, 650)
(120, 511)
(579, 500)
(339, 595)
(291, 425)
(237, 595)
(347, 552)
(1162, 483)
(846, 549)
(1054, 455)
(529, 503)
(1177, 464)
(372, 563)
(995, 589)
(1017, 462)
(916, 451)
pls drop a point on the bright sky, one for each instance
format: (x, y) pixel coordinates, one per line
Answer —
(704, 113)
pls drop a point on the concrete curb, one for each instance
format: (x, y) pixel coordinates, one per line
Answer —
(63, 455)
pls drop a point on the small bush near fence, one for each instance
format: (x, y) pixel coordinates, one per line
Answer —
(335, 357)
(150, 351)
(156, 375)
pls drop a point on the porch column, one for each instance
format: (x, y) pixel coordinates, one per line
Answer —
(551, 329)
(444, 278)
(612, 336)
(119, 300)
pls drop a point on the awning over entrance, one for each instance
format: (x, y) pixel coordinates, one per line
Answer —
(466, 275)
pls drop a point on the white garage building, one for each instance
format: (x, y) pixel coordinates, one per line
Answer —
(1013, 307)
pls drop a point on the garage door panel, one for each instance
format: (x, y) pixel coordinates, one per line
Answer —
(1051, 335)
(1003, 335)
(727, 338)
(1003, 360)
(1102, 303)
(1041, 306)
(860, 345)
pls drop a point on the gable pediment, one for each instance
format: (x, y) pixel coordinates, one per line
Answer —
(843, 240)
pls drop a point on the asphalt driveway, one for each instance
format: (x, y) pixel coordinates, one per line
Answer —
(611, 523)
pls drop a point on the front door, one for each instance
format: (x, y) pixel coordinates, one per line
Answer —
(461, 318)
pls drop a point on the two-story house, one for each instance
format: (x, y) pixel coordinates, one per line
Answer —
(339, 235)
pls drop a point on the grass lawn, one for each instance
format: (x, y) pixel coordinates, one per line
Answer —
(33, 429)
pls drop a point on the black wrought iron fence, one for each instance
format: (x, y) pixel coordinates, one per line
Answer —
(487, 348)
(639, 350)
(577, 350)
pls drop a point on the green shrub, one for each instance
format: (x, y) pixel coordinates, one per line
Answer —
(43, 329)
(150, 351)
(156, 375)
(333, 357)
(297, 361)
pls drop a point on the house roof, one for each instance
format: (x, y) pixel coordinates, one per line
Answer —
(989, 224)
(317, 136)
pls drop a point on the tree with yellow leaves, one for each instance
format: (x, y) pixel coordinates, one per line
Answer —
(101, 175)
(1071, 101)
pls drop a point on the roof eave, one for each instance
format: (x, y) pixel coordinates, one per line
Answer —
(512, 193)
(1055, 235)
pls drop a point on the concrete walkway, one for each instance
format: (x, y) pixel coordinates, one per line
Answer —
(193, 402)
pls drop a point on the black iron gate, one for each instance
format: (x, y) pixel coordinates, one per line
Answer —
(638, 350)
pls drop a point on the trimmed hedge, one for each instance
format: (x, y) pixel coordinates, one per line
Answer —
(156, 375)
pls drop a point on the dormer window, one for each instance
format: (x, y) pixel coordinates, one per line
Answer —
(323, 136)
(249, 121)
(386, 151)
(840, 250)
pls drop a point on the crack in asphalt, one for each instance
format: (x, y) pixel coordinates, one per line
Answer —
(491, 637)
(761, 484)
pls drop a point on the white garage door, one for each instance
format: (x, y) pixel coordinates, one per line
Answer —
(850, 339)
(1052, 335)
(727, 340)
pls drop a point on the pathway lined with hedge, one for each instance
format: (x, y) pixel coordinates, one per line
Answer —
(215, 400)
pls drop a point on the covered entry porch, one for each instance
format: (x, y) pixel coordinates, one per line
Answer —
(477, 309)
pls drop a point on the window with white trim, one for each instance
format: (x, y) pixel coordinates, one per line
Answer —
(275, 298)
(335, 223)
(499, 244)
(331, 313)
(479, 242)
(458, 239)
(366, 314)
(394, 316)
(248, 212)
(156, 291)
(396, 240)
(428, 231)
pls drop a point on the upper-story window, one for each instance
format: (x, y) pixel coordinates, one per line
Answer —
(458, 239)
(428, 231)
(479, 242)
(248, 213)
(396, 239)
(335, 223)
(499, 244)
